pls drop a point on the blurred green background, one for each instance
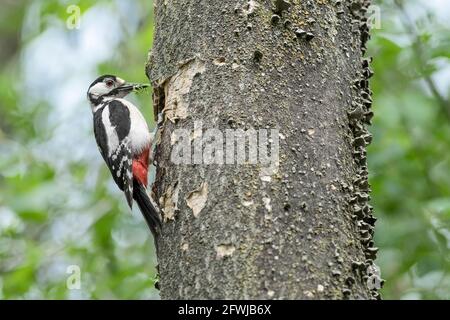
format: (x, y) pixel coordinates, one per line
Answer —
(59, 207)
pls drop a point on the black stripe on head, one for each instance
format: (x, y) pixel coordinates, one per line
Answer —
(95, 101)
(98, 100)
(100, 79)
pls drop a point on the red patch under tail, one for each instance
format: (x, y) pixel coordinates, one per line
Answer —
(140, 167)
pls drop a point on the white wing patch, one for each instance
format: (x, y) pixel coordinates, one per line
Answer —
(111, 133)
(138, 129)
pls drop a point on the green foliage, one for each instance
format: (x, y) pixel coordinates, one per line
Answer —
(409, 160)
(59, 207)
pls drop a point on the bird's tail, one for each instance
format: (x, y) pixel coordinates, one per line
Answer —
(148, 209)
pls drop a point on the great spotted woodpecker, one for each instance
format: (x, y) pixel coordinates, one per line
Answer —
(124, 142)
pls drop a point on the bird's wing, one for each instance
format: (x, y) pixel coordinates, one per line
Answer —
(111, 128)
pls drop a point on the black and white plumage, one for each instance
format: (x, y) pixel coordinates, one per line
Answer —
(124, 142)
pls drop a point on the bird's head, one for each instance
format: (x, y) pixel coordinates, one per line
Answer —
(109, 86)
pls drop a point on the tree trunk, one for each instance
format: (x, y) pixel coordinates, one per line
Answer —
(300, 228)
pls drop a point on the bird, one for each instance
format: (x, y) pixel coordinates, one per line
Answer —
(124, 142)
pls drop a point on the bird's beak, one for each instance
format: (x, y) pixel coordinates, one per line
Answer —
(127, 88)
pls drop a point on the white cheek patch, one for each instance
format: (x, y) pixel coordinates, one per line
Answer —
(99, 89)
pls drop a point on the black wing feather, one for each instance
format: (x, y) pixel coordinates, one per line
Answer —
(119, 116)
(120, 160)
(100, 134)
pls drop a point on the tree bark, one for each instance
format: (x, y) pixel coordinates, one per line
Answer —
(302, 229)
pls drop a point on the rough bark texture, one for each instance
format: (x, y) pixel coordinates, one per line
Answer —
(305, 229)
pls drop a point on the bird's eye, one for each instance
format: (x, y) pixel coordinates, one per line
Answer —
(109, 83)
